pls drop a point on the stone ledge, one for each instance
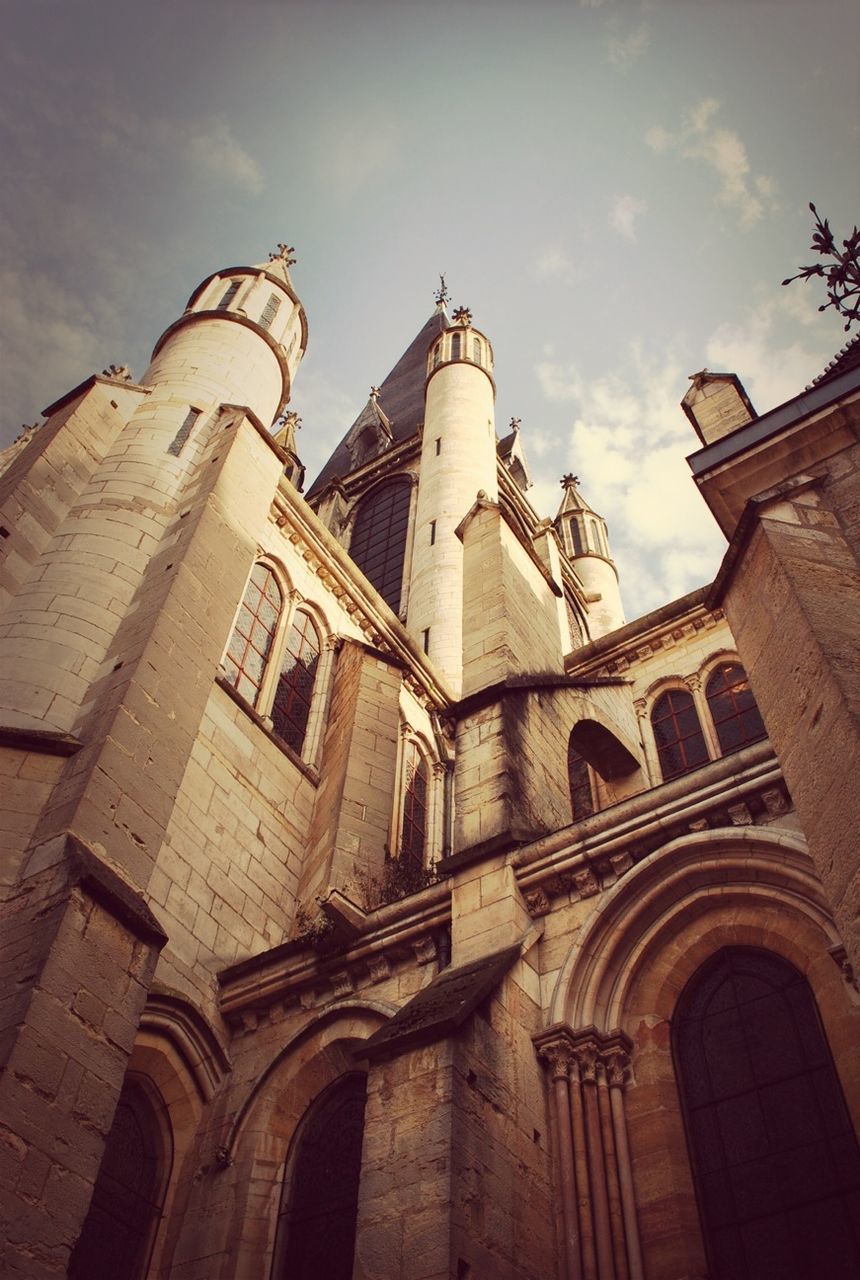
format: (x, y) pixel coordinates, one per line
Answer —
(110, 891)
(47, 742)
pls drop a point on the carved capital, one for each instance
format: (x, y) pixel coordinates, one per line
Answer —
(616, 1063)
(586, 883)
(558, 1056)
(588, 1060)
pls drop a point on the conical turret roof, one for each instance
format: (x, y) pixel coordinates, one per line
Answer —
(401, 399)
(572, 500)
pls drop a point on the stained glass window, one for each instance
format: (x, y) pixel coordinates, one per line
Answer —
(733, 708)
(316, 1232)
(251, 641)
(775, 1158)
(118, 1232)
(413, 834)
(678, 734)
(292, 706)
(378, 543)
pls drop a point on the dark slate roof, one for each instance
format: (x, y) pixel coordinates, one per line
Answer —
(401, 398)
(843, 362)
(503, 448)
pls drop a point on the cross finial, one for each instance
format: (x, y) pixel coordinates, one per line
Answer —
(374, 393)
(284, 253)
(441, 294)
(569, 481)
(463, 316)
(516, 423)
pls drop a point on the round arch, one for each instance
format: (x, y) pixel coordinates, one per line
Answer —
(747, 887)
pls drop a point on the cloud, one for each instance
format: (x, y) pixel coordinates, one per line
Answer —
(628, 442)
(625, 211)
(554, 263)
(722, 150)
(215, 152)
(771, 348)
(626, 49)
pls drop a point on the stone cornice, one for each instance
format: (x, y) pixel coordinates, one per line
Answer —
(588, 856)
(664, 628)
(296, 974)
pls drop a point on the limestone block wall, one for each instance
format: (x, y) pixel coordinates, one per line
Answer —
(502, 1189)
(511, 764)
(352, 818)
(794, 605)
(225, 884)
(50, 473)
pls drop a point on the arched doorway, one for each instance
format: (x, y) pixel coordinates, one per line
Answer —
(316, 1227)
(119, 1230)
(775, 1160)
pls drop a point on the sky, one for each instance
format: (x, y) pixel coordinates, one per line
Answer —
(615, 190)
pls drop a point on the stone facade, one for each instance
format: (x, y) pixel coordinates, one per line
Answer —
(369, 805)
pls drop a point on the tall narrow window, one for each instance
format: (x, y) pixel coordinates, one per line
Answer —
(733, 708)
(581, 797)
(251, 641)
(228, 295)
(476, 350)
(413, 833)
(678, 734)
(292, 706)
(270, 310)
(576, 537)
(455, 346)
(316, 1230)
(119, 1229)
(775, 1158)
(378, 543)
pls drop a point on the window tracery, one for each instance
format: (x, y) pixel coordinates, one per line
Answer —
(280, 661)
(678, 734)
(733, 708)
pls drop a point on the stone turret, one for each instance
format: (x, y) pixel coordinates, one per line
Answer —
(584, 537)
(458, 459)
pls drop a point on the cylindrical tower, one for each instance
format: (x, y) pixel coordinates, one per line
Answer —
(239, 342)
(458, 458)
(584, 537)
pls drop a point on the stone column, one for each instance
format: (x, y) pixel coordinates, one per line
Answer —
(616, 1221)
(587, 1056)
(558, 1056)
(617, 1062)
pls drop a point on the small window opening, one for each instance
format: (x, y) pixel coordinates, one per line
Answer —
(228, 295)
(270, 310)
(432, 532)
(438, 445)
(425, 639)
(175, 446)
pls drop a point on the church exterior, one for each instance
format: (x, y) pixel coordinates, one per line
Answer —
(379, 903)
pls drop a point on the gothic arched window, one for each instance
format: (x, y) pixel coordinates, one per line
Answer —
(119, 1229)
(316, 1230)
(413, 827)
(253, 633)
(581, 797)
(733, 708)
(775, 1159)
(292, 706)
(378, 544)
(678, 734)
